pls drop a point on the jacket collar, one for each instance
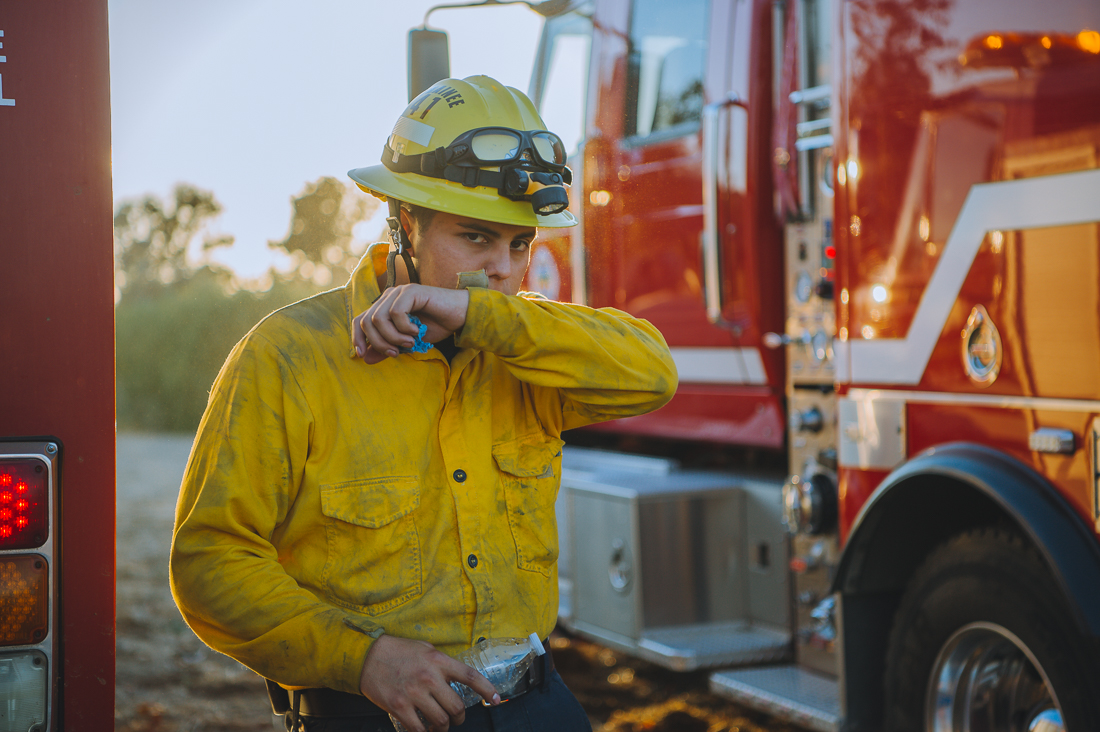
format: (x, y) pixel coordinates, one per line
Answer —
(362, 289)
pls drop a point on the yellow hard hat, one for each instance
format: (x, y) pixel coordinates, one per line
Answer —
(474, 147)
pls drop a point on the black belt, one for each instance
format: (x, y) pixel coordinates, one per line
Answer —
(332, 703)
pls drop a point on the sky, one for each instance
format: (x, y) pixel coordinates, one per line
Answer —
(252, 99)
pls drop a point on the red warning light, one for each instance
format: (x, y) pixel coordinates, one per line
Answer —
(24, 503)
(830, 252)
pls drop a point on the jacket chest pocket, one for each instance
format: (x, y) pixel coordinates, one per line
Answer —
(530, 473)
(373, 560)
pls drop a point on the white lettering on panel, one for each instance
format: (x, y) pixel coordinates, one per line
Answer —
(4, 102)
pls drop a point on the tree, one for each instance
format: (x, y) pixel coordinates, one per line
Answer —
(179, 314)
(321, 236)
(154, 240)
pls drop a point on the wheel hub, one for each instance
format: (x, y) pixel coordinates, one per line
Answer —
(986, 680)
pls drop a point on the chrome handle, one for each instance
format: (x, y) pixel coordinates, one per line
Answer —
(577, 258)
(620, 569)
(712, 290)
(775, 340)
(813, 134)
(813, 94)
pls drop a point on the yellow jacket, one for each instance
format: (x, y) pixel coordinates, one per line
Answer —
(326, 499)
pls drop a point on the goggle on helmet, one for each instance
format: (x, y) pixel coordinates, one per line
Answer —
(530, 165)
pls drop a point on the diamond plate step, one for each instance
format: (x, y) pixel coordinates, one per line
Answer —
(690, 647)
(790, 693)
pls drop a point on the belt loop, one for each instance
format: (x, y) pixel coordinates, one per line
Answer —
(544, 684)
(295, 705)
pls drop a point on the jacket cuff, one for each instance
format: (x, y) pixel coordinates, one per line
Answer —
(350, 653)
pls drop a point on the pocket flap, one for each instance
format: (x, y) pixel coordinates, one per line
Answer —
(528, 458)
(373, 502)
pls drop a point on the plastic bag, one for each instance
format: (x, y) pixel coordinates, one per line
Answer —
(504, 661)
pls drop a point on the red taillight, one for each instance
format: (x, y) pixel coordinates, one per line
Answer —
(24, 504)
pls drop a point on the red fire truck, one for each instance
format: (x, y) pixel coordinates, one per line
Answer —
(57, 438)
(869, 233)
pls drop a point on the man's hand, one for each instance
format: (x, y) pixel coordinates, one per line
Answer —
(385, 327)
(406, 676)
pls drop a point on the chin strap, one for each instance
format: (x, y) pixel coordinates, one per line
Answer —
(401, 247)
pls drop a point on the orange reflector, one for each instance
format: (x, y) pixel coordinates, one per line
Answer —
(24, 599)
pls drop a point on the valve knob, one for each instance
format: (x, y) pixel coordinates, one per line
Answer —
(807, 420)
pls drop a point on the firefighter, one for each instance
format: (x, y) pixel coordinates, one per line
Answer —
(372, 486)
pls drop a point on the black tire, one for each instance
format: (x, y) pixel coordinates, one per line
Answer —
(987, 576)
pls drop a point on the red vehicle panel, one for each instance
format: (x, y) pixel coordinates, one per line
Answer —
(936, 106)
(56, 296)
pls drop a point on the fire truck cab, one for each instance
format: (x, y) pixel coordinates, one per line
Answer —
(870, 233)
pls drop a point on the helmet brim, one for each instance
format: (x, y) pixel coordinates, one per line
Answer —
(453, 198)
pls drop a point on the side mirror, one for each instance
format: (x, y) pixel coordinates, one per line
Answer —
(429, 59)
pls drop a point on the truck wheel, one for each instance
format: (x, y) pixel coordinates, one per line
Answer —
(984, 640)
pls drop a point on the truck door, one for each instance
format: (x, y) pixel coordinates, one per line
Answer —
(656, 67)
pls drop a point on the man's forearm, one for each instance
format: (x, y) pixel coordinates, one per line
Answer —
(611, 364)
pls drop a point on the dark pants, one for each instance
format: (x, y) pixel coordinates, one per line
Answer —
(551, 709)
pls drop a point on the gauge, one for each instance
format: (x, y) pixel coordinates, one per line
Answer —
(803, 287)
(820, 344)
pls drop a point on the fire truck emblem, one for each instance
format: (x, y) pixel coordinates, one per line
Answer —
(981, 347)
(544, 278)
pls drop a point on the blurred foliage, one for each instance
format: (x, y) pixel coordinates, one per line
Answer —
(178, 313)
(152, 239)
(323, 217)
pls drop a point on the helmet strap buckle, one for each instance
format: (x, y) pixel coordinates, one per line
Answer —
(401, 247)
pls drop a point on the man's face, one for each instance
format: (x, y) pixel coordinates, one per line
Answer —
(453, 244)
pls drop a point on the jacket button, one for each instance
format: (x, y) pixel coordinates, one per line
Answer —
(472, 561)
(460, 476)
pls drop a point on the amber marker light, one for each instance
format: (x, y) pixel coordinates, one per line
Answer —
(24, 599)
(1089, 40)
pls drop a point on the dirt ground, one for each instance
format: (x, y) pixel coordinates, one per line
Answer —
(168, 681)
